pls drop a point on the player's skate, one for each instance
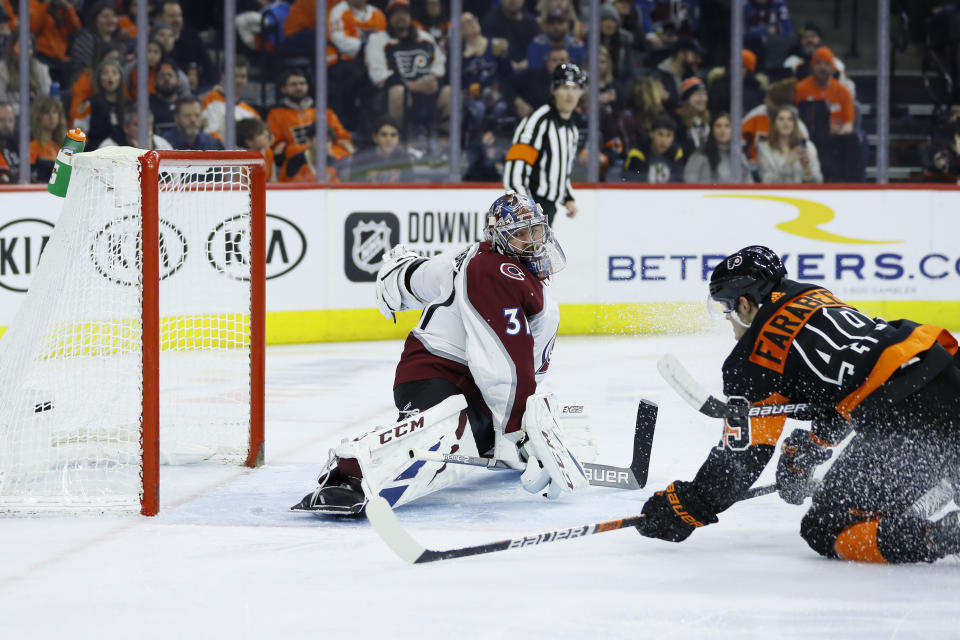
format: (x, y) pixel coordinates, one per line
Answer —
(338, 494)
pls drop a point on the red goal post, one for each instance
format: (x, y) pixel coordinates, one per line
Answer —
(151, 165)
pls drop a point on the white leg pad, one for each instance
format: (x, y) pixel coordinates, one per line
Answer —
(574, 427)
(383, 454)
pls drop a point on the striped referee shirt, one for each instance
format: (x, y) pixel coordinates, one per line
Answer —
(540, 161)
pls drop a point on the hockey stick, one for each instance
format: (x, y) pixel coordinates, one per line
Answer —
(601, 475)
(700, 399)
(388, 527)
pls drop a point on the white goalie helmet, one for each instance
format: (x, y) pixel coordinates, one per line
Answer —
(517, 227)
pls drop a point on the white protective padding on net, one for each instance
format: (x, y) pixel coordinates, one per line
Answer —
(71, 380)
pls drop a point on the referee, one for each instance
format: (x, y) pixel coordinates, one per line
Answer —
(540, 160)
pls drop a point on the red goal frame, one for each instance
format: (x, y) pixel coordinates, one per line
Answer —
(150, 167)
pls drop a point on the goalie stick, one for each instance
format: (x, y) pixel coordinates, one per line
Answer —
(388, 527)
(601, 475)
(700, 399)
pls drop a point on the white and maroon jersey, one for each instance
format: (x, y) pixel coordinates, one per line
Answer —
(489, 328)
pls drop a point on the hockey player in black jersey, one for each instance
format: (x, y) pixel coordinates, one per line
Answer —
(896, 385)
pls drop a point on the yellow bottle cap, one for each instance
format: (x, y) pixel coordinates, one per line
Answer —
(77, 134)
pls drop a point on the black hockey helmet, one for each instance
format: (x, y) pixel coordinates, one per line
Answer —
(568, 73)
(753, 271)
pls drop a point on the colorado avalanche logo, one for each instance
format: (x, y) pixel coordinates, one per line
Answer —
(511, 271)
(371, 240)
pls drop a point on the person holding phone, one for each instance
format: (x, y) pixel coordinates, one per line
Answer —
(785, 156)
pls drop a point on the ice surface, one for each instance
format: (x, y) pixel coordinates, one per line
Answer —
(226, 559)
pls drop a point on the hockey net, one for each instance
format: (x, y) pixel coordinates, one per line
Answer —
(140, 341)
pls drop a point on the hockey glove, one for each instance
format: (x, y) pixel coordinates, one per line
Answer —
(673, 514)
(551, 468)
(800, 455)
(391, 280)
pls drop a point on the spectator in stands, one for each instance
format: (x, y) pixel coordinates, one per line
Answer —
(302, 166)
(269, 16)
(189, 133)
(530, 88)
(511, 22)
(631, 21)
(648, 99)
(83, 87)
(822, 94)
(685, 62)
(130, 127)
(711, 164)
(107, 105)
(48, 126)
(291, 119)
(102, 27)
(9, 144)
(53, 23)
(786, 157)
(214, 103)
(163, 102)
(409, 66)
(618, 41)
(659, 158)
(693, 114)
(10, 74)
(253, 135)
(485, 159)
(387, 161)
(300, 30)
(432, 17)
(811, 39)
(610, 100)
(664, 21)
(756, 122)
(8, 19)
(350, 24)
(753, 87)
(127, 17)
(165, 35)
(155, 57)
(556, 32)
(484, 66)
(763, 18)
(189, 51)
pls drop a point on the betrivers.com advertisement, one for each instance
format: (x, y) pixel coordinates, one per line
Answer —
(627, 246)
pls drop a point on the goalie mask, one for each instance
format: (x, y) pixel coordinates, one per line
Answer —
(517, 227)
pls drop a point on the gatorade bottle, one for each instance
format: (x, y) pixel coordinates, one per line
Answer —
(60, 177)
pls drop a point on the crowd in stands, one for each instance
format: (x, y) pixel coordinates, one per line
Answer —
(664, 90)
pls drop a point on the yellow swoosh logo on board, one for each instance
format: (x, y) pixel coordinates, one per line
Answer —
(807, 224)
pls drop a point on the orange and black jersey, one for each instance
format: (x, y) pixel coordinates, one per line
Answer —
(806, 345)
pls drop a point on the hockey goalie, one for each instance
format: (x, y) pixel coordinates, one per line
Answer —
(467, 380)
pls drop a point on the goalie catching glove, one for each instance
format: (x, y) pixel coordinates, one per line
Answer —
(393, 281)
(674, 513)
(551, 468)
(800, 455)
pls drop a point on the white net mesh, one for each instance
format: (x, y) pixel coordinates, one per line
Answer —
(71, 364)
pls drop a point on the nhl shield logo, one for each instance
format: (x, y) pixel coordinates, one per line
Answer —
(370, 241)
(368, 236)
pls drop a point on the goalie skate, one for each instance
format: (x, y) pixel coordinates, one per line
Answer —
(338, 493)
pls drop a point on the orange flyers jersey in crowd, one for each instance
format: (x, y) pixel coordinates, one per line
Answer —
(48, 150)
(835, 95)
(53, 28)
(291, 131)
(345, 26)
